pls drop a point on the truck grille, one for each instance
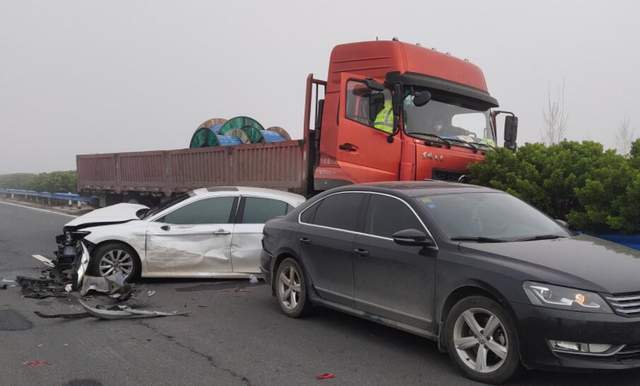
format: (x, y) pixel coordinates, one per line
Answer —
(626, 304)
(445, 175)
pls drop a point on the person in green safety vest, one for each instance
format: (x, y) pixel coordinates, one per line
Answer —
(384, 118)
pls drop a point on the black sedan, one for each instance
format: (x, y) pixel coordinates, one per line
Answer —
(495, 282)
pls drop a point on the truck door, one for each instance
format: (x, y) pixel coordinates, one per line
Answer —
(364, 152)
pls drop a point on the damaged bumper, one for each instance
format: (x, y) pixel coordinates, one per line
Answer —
(73, 255)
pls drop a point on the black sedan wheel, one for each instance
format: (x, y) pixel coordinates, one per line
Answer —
(482, 340)
(290, 288)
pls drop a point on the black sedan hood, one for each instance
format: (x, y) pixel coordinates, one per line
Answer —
(584, 261)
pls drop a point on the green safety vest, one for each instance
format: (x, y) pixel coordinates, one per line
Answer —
(384, 119)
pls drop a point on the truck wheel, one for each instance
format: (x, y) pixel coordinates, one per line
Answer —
(291, 289)
(482, 340)
(115, 258)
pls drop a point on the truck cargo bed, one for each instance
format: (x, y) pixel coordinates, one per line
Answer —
(278, 165)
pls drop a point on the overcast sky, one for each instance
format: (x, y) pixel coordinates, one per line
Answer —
(87, 76)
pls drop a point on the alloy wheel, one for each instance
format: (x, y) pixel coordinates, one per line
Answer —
(289, 287)
(480, 340)
(116, 261)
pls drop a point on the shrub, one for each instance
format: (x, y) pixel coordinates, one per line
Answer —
(595, 190)
(63, 181)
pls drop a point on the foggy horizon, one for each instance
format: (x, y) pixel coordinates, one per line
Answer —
(79, 77)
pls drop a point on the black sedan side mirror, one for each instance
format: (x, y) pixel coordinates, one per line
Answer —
(412, 237)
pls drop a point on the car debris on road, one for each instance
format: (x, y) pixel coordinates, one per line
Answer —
(56, 282)
(126, 312)
(35, 363)
(45, 260)
(114, 286)
(73, 315)
(41, 288)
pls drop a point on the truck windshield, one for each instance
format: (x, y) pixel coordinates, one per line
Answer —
(448, 120)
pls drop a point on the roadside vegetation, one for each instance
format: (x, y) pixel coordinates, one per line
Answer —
(53, 182)
(593, 189)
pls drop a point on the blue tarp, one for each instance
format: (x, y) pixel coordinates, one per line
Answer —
(631, 241)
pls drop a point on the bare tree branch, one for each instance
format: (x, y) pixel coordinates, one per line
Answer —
(624, 136)
(555, 116)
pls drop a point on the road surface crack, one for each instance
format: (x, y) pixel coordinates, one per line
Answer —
(205, 356)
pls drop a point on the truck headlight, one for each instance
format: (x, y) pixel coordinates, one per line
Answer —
(565, 298)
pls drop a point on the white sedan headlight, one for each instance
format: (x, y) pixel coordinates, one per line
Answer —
(565, 298)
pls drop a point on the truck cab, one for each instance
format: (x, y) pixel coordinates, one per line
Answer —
(442, 116)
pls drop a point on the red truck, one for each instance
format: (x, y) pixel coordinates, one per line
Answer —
(388, 110)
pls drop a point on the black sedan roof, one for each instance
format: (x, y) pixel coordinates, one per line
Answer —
(420, 188)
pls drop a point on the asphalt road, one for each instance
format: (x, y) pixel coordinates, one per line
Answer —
(234, 334)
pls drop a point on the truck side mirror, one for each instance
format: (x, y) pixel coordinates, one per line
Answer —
(510, 132)
(421, 98)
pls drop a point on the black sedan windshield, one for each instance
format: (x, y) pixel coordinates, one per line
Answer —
(489, 217)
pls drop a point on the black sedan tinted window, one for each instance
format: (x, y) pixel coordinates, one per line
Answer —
(387, 215)
(339, 211)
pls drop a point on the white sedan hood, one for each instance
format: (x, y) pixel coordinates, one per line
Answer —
(109, 215)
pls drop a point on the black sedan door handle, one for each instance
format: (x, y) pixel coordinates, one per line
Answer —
(361, 252)
(305, 240)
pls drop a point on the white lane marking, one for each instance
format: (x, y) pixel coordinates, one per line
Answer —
(37, 209)
(45, 260)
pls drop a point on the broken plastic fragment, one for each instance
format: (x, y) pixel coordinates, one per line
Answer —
(45, 260)
(151, 293)
(126, 312)
(35, 363)
(113, 285)
(95, 283)
(76, 315)
(325, 376)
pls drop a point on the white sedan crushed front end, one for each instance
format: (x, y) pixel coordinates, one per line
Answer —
(214, 232)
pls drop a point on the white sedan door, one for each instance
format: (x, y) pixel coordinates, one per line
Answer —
(193, 240)
(246, 243)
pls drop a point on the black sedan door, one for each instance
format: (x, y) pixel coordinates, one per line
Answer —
(326, 244)
(393, 281)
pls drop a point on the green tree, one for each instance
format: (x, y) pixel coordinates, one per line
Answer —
(594, 189)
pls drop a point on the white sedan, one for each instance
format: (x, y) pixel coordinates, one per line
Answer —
(215, 232)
